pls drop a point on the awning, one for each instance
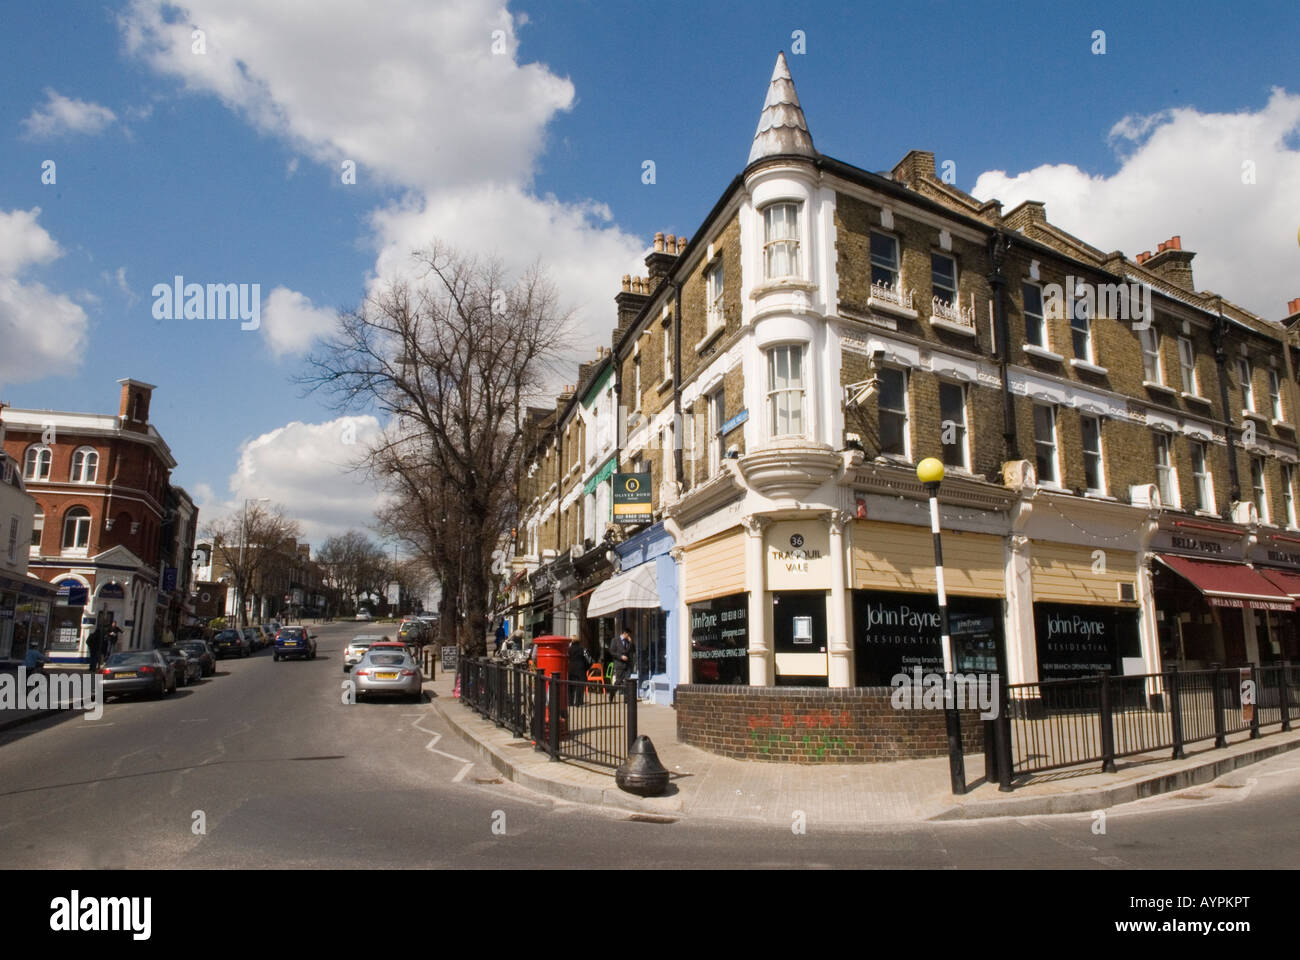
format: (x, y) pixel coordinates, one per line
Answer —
(1288, 581)
(637, 588)
(1229, 584)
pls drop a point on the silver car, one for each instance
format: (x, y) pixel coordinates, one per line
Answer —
(389, 671)
(355, 650)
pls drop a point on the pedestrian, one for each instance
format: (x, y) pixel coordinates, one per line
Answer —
(110, 637)
(500, 636)
(95, 648)
(622, 650)
(579, 661)
(35, 658)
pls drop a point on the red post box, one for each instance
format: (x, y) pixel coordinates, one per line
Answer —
(553, 657)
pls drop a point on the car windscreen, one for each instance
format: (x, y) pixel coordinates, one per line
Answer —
(196, 647)
(129, 659)
(387, 659)
(228, 635)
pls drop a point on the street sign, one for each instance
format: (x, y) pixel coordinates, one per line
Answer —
(449, 656)
(633, 502)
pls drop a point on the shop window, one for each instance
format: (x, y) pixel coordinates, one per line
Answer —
(785, 394)
(720, 640)
(781, 240)
(892, 411)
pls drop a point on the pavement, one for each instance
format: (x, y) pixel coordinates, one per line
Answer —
(707, 786)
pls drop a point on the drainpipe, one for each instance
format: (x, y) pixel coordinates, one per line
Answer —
(998, 246)
(679, 428)
(1219, 337)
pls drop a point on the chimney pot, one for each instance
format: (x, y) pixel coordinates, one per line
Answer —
(627, 283)
(1163, 247)
(1294, 306)
(659, 242)
(681, 244)
(670, 243)
(1176, 242)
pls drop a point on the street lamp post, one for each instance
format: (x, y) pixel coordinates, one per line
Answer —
(243, 537)
(930, 472)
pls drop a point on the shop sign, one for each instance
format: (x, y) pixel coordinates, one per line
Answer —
(1082, 641)
(720, 640)
(1198, 543)
(112, 591)
(896, 632)
(169, 579)
(798, 555)
(633, 500)
(1236, 603)
(72, 593)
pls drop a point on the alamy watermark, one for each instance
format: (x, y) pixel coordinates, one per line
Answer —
(179, 300)
(1119, 301)
(52, 691)
(919, 690)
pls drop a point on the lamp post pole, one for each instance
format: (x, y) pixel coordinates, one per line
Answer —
(930, 472)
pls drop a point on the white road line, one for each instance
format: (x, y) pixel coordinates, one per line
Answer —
(431, 746)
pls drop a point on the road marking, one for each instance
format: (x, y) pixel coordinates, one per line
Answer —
(431, 746)
(96, 724)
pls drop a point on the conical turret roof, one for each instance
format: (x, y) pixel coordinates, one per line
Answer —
(782, 128)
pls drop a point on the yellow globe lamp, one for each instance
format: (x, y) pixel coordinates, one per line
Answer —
(930, 470)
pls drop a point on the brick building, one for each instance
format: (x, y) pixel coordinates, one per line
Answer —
(109, 530)
(1120, 447)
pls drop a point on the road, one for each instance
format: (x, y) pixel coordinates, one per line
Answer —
(278, 772)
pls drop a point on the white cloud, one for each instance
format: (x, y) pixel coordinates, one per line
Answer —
(1182, 173)
(438, 114)
(306, 468)
(42, 332)
(413, 93)
(61, 115)
(291, 324)
(117, 279)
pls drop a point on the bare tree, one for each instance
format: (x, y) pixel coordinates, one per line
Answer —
(454, 362)
(249, 545)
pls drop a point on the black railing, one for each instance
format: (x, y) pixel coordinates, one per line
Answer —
(595, 722)
(1055, 724)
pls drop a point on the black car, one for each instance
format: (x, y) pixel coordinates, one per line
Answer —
(187, 668)
(138, 671)
(231, 643)
(207, 657)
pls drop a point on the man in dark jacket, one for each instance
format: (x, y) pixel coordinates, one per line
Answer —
(579, 661)
(95, 648)
(622, 649)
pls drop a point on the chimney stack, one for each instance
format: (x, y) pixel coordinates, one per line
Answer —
(133, 405)
(661, 259)
(1293, 307)
(1172, 263)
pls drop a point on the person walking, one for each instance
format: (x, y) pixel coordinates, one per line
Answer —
(579, 661)
(95, 648)
(622, 650)
(500, 637)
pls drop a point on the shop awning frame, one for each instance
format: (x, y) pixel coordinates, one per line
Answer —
(637, 588)
(1229, 584)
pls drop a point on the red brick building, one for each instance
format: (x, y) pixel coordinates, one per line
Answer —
(101, 483)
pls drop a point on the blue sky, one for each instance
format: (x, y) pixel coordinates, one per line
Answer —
(225, 168)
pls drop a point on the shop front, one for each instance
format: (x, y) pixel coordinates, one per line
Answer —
(896, 623)
(798, 580)
(25, 606)
(642, 598)
(717, 608)
(1277, 632)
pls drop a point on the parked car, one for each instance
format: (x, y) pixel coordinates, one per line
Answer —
(188, 669)
(364, 615)
(138, 671)
(295, 642)
(413, 631)
(254, 636)
(207, 657)
(268, 633)
(388, 672)
(229, 642)
(355, 650)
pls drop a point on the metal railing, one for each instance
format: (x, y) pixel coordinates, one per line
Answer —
(595, 722)
(1054, 724)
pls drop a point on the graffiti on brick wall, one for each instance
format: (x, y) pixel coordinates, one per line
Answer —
(768, 732)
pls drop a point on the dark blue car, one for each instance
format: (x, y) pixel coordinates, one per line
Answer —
(295, 642)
